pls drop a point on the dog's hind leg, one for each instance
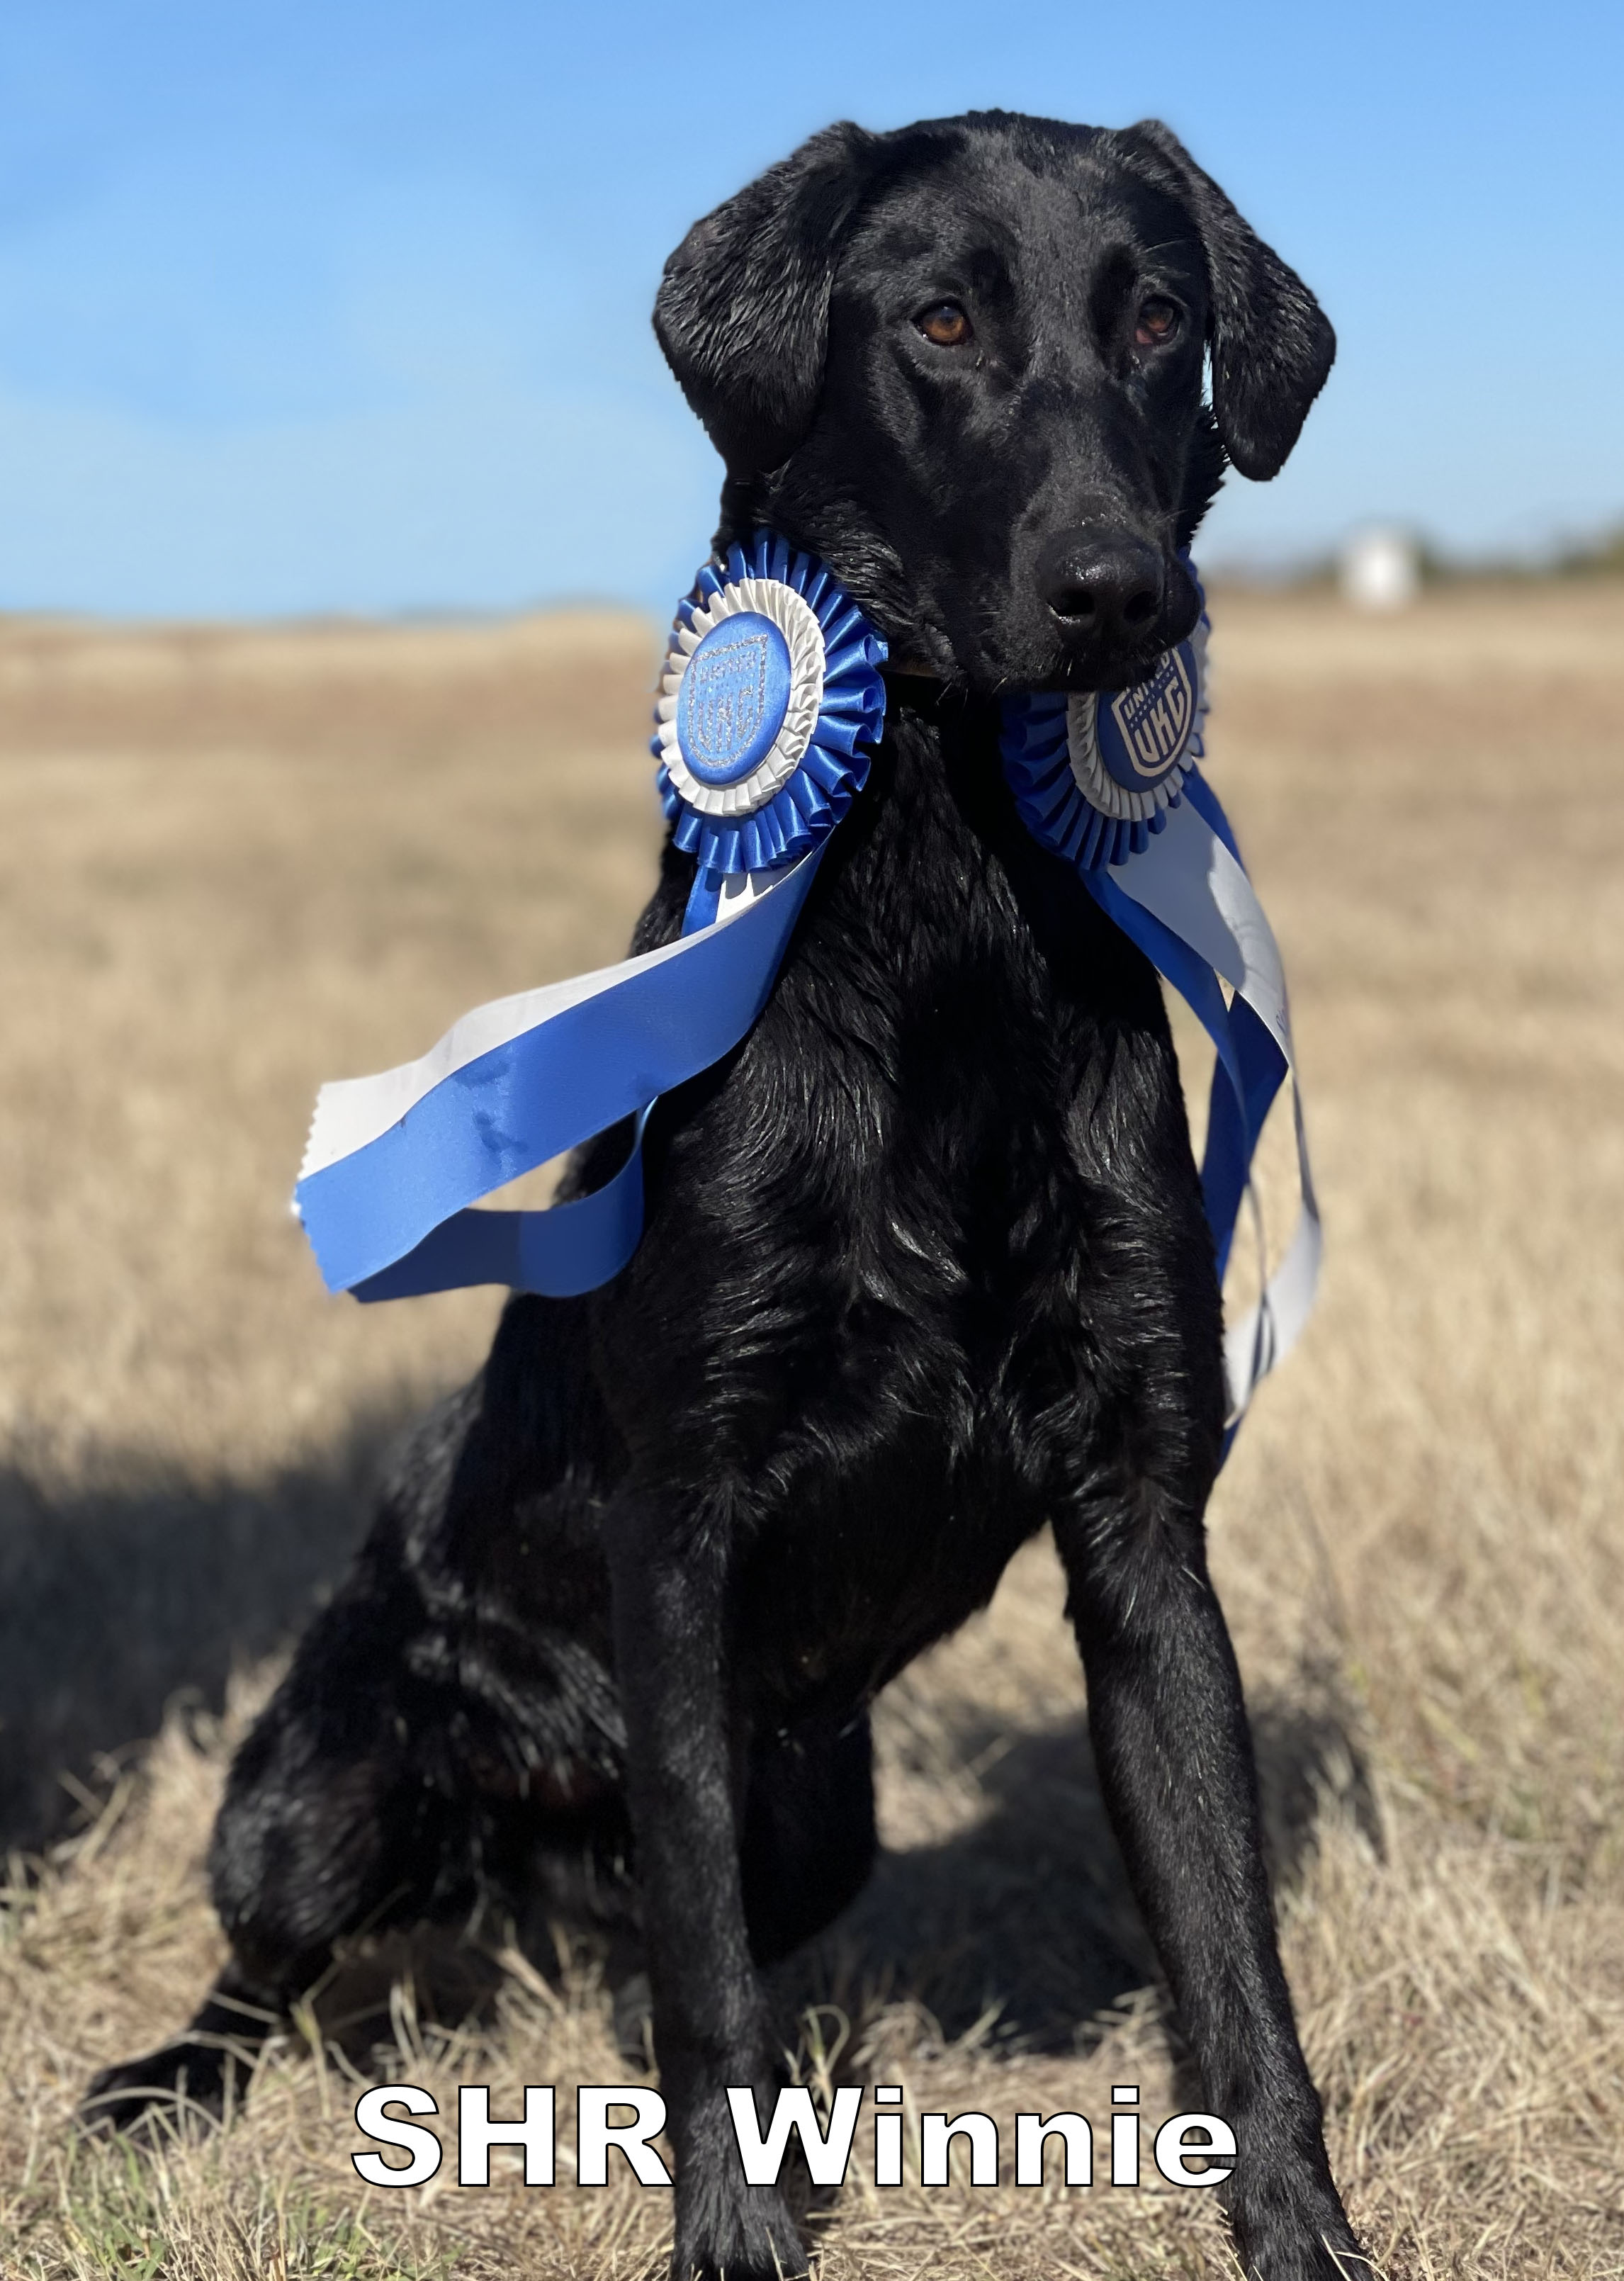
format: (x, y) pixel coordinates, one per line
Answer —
(326, 1829)
(448, 1716)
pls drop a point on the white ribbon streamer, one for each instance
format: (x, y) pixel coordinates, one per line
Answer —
(1188, 880)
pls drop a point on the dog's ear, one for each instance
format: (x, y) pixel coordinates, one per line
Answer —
(1270, 341)
(742, 312)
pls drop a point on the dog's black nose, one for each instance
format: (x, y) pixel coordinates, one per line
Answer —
(1101, 583)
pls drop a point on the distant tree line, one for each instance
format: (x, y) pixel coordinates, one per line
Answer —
(1598, 556)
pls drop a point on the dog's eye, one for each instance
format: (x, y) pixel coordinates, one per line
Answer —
(947, 324)
(1157, 323)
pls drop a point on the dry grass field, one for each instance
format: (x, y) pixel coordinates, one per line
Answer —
(234, 863)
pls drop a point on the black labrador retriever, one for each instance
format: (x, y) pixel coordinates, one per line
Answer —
(925, 1265)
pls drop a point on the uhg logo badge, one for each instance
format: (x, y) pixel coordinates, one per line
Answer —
(1153, 721)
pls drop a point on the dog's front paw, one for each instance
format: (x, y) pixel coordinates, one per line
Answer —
(1313, 2244)
(181, 2087)
(748, 2235)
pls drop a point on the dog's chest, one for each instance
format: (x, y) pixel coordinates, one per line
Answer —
(931, 1071)
(939, 1096)
(877, 1315)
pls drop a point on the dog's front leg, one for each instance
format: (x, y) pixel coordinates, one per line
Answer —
(1175, 1761)
(684, 1763)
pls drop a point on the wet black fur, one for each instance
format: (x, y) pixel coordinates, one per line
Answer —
(925, 1264)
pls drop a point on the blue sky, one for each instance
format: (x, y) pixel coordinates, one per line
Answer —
(307, 307)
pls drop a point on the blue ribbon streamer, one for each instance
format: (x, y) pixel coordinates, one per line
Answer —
(561, 1252)
(1251, 1067)
(397, 1204)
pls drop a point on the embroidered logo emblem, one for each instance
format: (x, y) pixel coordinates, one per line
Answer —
(733, 698)
(1153, 723)
(728, 698)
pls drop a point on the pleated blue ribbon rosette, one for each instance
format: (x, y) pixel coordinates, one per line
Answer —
(771, 692)
(770, 695)
(1112, 782)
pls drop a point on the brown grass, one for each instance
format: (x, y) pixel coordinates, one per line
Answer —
(234, 864)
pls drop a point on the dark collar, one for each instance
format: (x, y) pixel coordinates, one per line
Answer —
(921, 693)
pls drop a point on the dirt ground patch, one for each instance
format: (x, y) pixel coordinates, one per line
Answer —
(234, 863)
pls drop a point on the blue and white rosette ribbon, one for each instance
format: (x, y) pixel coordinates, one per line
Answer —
(771, 693)
(1112, 782)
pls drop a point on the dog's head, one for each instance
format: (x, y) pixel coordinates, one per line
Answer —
(963, 363)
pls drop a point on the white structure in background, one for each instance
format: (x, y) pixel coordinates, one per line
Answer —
(1380, 569)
